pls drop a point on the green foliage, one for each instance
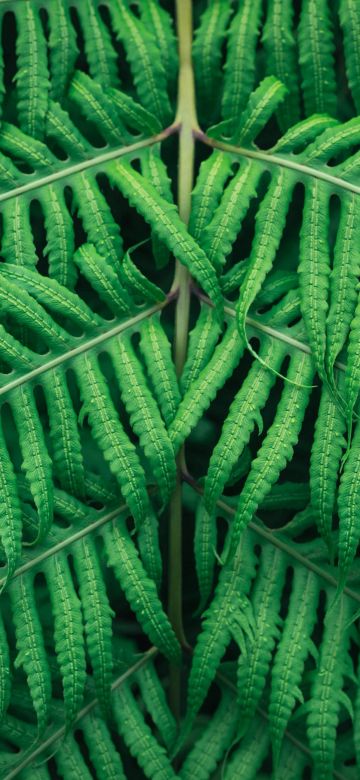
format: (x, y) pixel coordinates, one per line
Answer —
(179, 382)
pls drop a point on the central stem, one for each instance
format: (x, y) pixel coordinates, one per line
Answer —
(186, 117)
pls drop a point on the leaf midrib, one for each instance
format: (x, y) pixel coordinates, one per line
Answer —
(284, 162)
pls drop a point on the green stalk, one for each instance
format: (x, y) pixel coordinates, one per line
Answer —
(187, 120)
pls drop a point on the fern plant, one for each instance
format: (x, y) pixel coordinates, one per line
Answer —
(180, 371)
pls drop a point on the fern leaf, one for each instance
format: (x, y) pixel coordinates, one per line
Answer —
(32, 77)
(16, 301)
(103, 753)
(62, 48)
(139, 589)
(133, 114)
(284, 312)
(153, 695)
(348, 509)
(144, 415)
(31, 654)
(248, 758)
(64, 434)
(207, 55)
(102, 277)
(97, 617)
(350, 22)
(314, 269)
(68, 633)
(148, 544)
(242, 417)
(229, 614)
(304, 133)
(205, 542)
(208, 190)
(343, 280)
(100, 54)
(291, 654)
(202, 341)
(240, 61)
(18, 241)
(147, 69)
(5, 673)
(54, 296)
(254, 664)
(23, 147)
(325, 463)
(159, 23)
(352, 371)
(11, 523)
(70, 761)
(60, 127)
(166, 222)
(92, 101)
(156, 351)
(60, 237)
(281, 57)
(316, 57)
(208, 750)
(324, 705)
(97, 219)
(154, 169)
(261, 105)
(220, 233)
(137, 283)
(270, 223)
(138, 737)
(203, 390)
(278, 445)
(36, 463)
(108, 432)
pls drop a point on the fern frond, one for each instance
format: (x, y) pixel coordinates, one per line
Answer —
(62, 48)
(144, 415)
(293, 649)
(103, 278)
(248, 758)
(68, 633)
(160, 24)
(5, 673)
(229, 615)
(97, 617)
(348, 510)
(278, 445)
(147, 69)
(91, 100)
(155, 702)
(36, 463)
(31, 653)
(208, 190)
(253, 665)
(349, 13)
(166, 223)
(139, 739)
(343, 281)
(240, 61)
(32, 77)
(208, 750)
(207, 54)
(99, 51)
(279, 42)
(139, 589)
(205, 542)
(326, 693)
(243, 415)
(103, 754)
(97, 219)
(326, 454)
(156, 351)
(18, 242)
(316, 58)
(107, 430)
(200, 394)
(202, 341)
(11, 522)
